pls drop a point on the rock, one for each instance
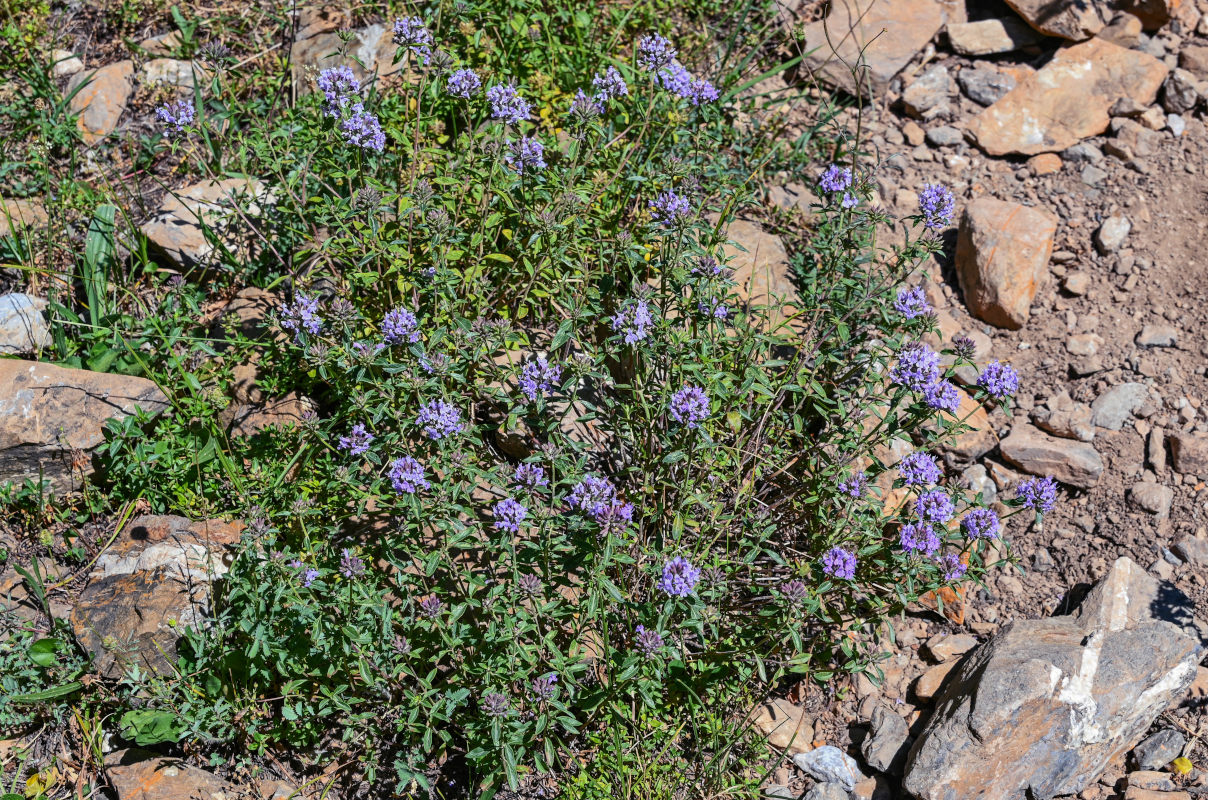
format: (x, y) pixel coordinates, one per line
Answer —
(249, 419)
(947, 646)
(785, 725)
(1152, 497)
(134, 619)
(989, 36)
(48, 413)
(369, 54)
(1068, 99)
(1176, 124)
(23, 329)
(1135, 793)
(1153, 781)
(17, 214)
(827, 791)
(888, 742)
(928, 92)
(930, 682)
(1192, 550)
(1045, 164)
(1189, 453)
(762, 273)
(881, 38)
(193, 551)
(1112, 233)
(1159, 750)
(1092, 175)
(101, 99)
(143, 775)
(1180, 92)
(979, 439)
(984, 85)
(1157, 336)
(829, 764)
(1113, 408)
(1002, 257)
(1124, 30)
(1077, 283)
(1044, 707)
(1063, 417)
(168, 71)
(1075, 21)
(162, 45)
(66, 64)
(1037, 453)
(1194, 59)
(1153, 13)
(1083, 152)
(944, 136)
(176, 230)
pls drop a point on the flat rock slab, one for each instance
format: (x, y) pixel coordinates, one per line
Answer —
(193, 550)
(16, 214)
(142, 775)
(1002, 258)
(192, 222)
(102, 99)
(23, 328)
(1075, 21)
(1067, 100)
(1046, 705)
(48, 412)
(761, 268)
(1035, 452)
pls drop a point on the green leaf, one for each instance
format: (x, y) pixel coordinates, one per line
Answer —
(43, 652)
(47, 694)
(151, 726)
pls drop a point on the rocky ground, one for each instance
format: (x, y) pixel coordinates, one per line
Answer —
(1075, 140)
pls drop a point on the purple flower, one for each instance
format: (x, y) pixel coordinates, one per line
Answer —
(301, 315)
(496, 705)
(918, 367)
(543, 687)
(943, 395)
(999, 380)
(679, 577)
(309, 576)
(529, 583)
(634, 320)
(464, 83)
(839, 563)
(835, 179)
(509, 514)
(934, 506)
(919, 537)
(1038, 493)
(399, 326)
(338, 85)
(350, 565)
(849, 200)
(980, 523)
(701, 91)
(671, 209)
(176, 116)
(584, 109)
(531, 476)
(937, 204)
(507, 104)
(357, 441)
(411, 33)
(689, 406)
(592, 495)
(654, 52)
(407, 475)
(853, 485)
(713, 308)
(675, 79)
(431, 606)
(362, 129)
(646, 642)
(609, 85)
(919, 469)
(439, 419)
(911, 303)
(794, 591)
(525, 154)
(615, 518)
(952, 567)
(537, 377)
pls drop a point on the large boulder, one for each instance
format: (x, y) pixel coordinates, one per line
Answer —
(142, 775)
(1002, 258)
(193, 222)
(101, 98)
(1034, 451)
(50, 414)
(17, 214)
(761, 268)
(1067, 100)
(1043, 708)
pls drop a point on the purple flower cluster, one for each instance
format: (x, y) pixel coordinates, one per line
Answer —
(176, 116)
(713, 308)
(430, 606)
(943, 395)
(309, 574)
(495, 704)
(301, 315)
(531, 476)
(339, 86)
(835, 179)
(980, 523)
(918, 367)
(839, 563)
(509, 514)
(597, 497)
(543, 688)
(609, 85)
(689, 406)
(525, 154)
(655, 52)
(937, 204)
(634, 320)
(463, 83)
(647, 642)
(507, 104)
(911, 303)
(934, 506)
(584, 108)
(999, 380)
(411, 33)
(919, 469)
(362, 129)
(350, 565)
(854, 485)
(679, 577)
(794, 591)
(439, 419)
(684, 85)
(400, 326)
(919, 537)
(357, 441)
(952, 566)
(670, 208)
(407, 475)
(538, 377)
(1038, 493)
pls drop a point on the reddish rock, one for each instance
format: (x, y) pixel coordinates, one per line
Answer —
(101, 99)
(979, 439)
(17, 214)
(1068, 99)
(989, 36)
(1065, 20)
(177, 232)
(1189, 453)
(1002, 257)
(930, 682)
(1035, 452)
(143, 775)
(1045, 164)
(785, 726)
(762, 273)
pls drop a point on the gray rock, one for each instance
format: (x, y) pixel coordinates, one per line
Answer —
(1092, 175)
(829, 764)
(1180, 92)
(989, 36)
(1157, 336)
(944, 136)
(1083, 152)
(1152, 497)
(929, 91)
(888, 742)
(827, 791)
(1175, 124)
(1044, 707)
(1113, 408)
(984, 85)
(369, 53)
(1112, 233)
(1159, 750)
(23, 328)
(1192, 550)
(169, 72)
(1035, 452)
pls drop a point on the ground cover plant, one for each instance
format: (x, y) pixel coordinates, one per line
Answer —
(566, 494)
